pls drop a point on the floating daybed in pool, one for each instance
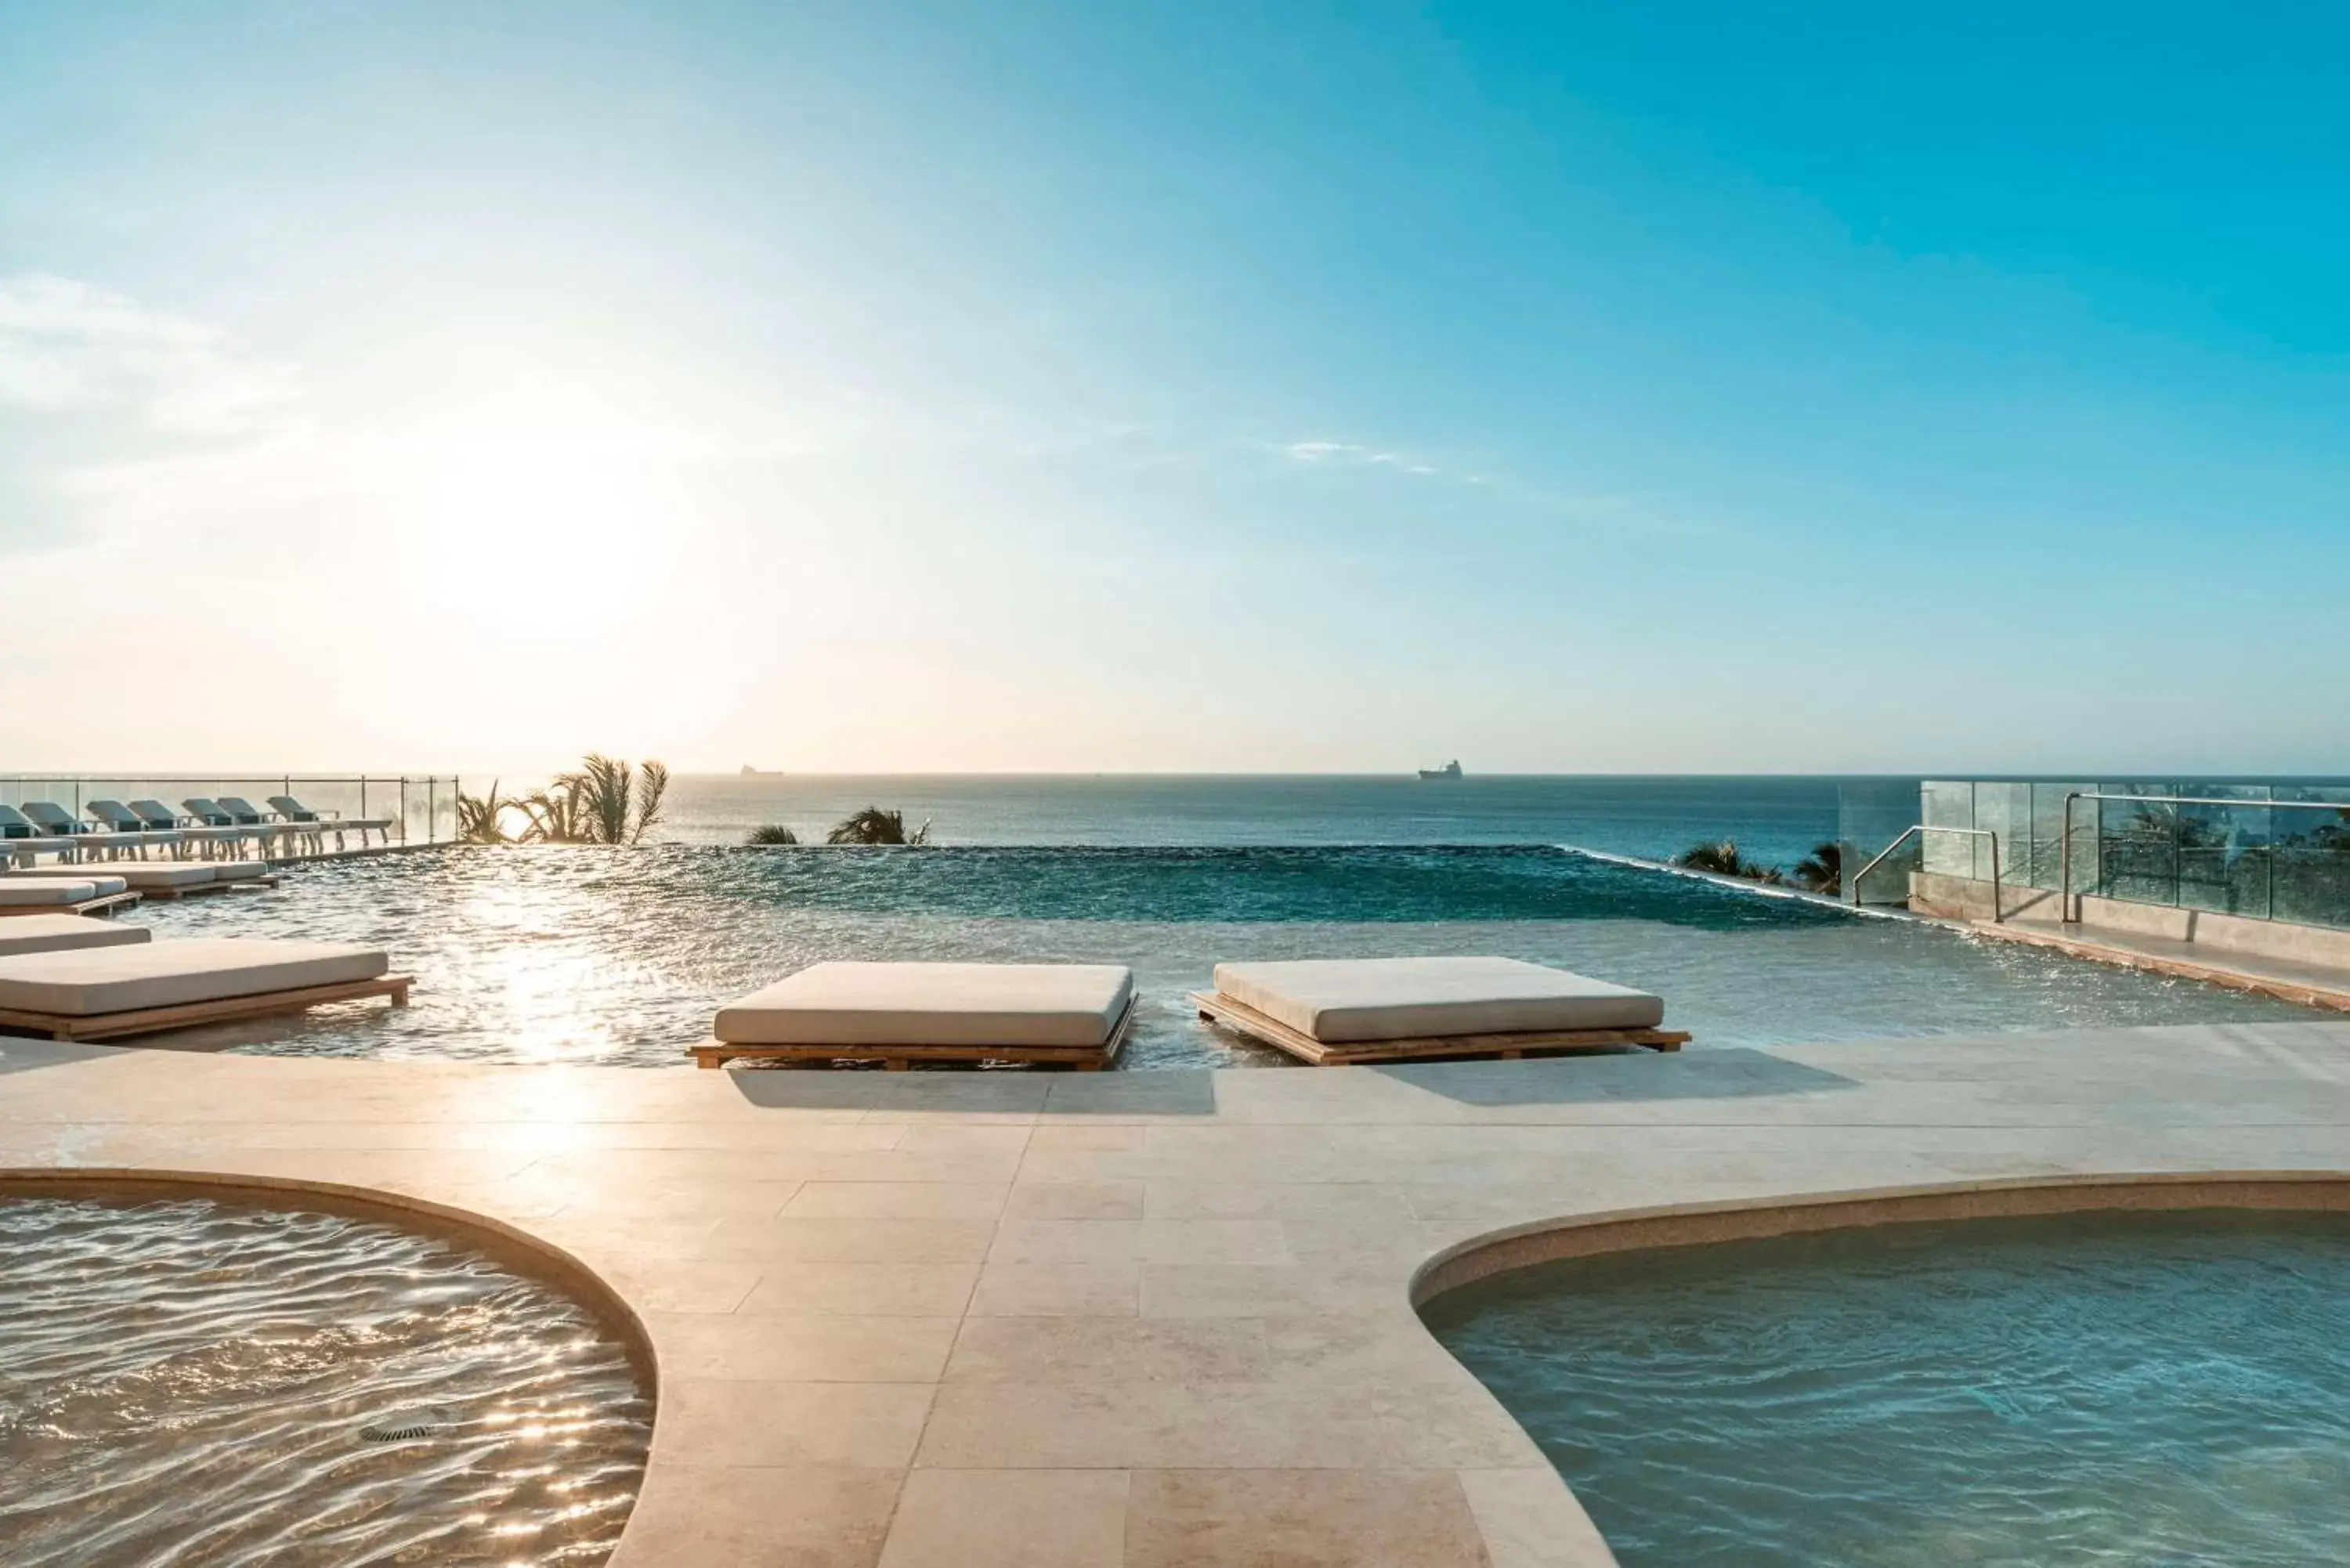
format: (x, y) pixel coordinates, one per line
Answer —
(159, 879)
(1334, 1012)
(54, 892)
(97, 994)
(1044, 1014)
(47, 933)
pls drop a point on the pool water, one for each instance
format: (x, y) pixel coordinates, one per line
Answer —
(214, 1385)
(2114, 1390)
(625, 955)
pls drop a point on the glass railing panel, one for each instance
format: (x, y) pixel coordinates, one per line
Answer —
(2047, 858)
(2310, 866)
(2137, 845)
(2224, 850)
(1947, 803)
(1870, 814)
(2004, 809)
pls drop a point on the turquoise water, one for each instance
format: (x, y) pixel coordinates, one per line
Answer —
(2117, 1391)
(1778, 819)
(624, 955)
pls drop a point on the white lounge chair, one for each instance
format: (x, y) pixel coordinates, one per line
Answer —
(154, 815)
(79, 839)
(1333, 1011)
(113, 816)
(333, 822)
(97, 994)
(60, 933)
(208, 812)
(1065, 1014)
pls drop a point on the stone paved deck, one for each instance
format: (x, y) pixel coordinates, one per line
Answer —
(1140, 1318)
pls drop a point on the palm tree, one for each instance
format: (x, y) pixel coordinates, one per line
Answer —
(874, 825)
(1823, 870)
(479, 817)
(773, 832)
(1723, 859)
(601, 803)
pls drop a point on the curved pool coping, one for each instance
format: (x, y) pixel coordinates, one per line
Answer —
(531, 1256)
(1535, 1242)
(1116, 1238)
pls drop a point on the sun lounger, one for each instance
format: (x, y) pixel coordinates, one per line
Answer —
(59, 934)
(208, 812)
(264, 828)
(333, 822)
(155, 816)
(14, 824)
(77, 840)
(97, 994)
(1340, 1011)
(1073, 1015)
(113, 816)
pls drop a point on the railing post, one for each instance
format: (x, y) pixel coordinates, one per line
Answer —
(403, 810)
(2067, 911)
(1995, 917)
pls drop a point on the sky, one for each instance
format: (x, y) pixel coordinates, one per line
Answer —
(1139, 388)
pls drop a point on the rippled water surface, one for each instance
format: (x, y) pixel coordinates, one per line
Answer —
(211, 1385)
(2132, 1391)
(625, 955)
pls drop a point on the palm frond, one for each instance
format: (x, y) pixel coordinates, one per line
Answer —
(871, 825)
(649, 801)
(773, 833)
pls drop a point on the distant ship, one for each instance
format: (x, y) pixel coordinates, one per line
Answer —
(751, 772)
(1450, 771)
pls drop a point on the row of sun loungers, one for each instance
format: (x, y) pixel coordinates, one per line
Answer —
(205, 827)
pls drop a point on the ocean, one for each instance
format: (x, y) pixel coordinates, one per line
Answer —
(1776, 819)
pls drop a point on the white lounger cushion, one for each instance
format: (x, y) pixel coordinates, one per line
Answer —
(57, 933)
(934, 1004)
(103, 884)
(162, 874)
(92, 981)
(238, 870)
(39, 892)
(1362, 1000)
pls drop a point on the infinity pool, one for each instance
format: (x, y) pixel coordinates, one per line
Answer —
(2131, 1391)
(207, 1384)
(625, 955)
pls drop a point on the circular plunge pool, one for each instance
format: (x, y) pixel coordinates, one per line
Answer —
(215, 1384)
(2110, 1389)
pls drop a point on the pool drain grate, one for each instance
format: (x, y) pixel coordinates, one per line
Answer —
(410, 1427)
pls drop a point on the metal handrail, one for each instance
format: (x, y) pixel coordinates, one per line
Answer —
(2067, 901)
(1997, 918)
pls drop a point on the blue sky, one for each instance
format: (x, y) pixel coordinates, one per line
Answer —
(1133, 387)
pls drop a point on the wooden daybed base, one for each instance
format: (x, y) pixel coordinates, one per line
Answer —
(242, 884)
(1241, 1019)
(187, 1015)
(900, 1058)
(105, 904)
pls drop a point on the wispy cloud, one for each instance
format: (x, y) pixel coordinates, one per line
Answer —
(66, 347)
(1353, 454)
